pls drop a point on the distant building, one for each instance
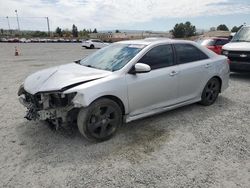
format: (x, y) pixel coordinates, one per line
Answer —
(217, 34)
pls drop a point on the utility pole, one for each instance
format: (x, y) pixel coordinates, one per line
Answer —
(17, 20)
(47, 18)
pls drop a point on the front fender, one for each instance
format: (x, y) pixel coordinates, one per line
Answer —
(89, 92)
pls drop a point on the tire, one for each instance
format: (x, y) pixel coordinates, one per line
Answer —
(100, 121)
(210, 92)
(92, 46)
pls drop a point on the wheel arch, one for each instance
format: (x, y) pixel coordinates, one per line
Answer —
(115, 99)
(220, 80)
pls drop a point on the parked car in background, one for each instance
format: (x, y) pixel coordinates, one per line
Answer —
(3, 40)
(238, 50)
(123, 82)
(215, 44)
(94, 43)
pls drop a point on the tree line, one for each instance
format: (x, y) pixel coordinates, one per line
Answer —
(74, 32)
(185, 30)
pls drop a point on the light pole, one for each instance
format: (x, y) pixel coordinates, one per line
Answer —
(8, 22)
(47, 18)
(17, 20)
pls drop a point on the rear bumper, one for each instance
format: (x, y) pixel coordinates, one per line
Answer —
(238, 66)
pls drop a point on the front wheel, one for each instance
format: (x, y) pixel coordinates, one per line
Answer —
(210, 92)
(100, 121)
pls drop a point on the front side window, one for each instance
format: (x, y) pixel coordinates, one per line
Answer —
(159, 57)
(187, 53)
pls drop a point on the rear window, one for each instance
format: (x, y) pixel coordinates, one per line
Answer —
(187, 53)
(221, 42)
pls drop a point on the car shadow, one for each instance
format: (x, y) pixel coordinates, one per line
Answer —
(133, 142)
(240, 76)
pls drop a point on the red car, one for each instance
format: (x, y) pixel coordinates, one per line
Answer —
(215, 44)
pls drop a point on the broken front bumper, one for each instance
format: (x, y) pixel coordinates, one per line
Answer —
(44, 114)
(46, 106)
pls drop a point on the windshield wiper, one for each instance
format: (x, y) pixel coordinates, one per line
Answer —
(91, 66)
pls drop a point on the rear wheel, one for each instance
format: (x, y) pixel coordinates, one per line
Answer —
(100, 121)
(92, 46)
(210, 92)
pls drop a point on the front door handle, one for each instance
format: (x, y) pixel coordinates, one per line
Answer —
(173, 73)
(207, 65)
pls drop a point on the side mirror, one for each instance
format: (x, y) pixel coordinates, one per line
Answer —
(140, 68)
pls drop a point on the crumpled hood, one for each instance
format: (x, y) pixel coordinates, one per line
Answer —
(56, 78)
(237, 46)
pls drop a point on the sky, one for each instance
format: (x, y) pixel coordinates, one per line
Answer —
(154, 15)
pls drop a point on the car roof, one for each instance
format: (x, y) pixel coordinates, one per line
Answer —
(214, 38)
(150, 41)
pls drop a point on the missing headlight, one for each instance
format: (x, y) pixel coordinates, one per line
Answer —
(60, 99)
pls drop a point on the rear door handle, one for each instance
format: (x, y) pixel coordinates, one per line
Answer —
(173, 73)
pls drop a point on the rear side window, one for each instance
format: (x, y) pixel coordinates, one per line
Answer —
(187, 53)
(159, 57)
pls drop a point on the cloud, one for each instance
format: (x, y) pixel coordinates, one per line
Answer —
(105, 14)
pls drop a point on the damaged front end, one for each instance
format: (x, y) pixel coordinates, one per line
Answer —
(50, 106)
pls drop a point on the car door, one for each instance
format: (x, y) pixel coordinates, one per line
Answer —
(95, 43)
(157, 88)
(195, 68)
(98, 44)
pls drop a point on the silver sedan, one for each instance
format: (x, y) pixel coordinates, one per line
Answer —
(123, 82)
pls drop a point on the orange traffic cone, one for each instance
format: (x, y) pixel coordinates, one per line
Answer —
(16, 52)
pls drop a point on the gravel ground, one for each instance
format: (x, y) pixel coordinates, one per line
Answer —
(193, 146)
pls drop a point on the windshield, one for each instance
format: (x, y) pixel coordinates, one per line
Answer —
(113, 57)
(242, 36)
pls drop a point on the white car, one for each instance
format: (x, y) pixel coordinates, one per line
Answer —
(238, 50)
(123, 82)
(94, 43)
